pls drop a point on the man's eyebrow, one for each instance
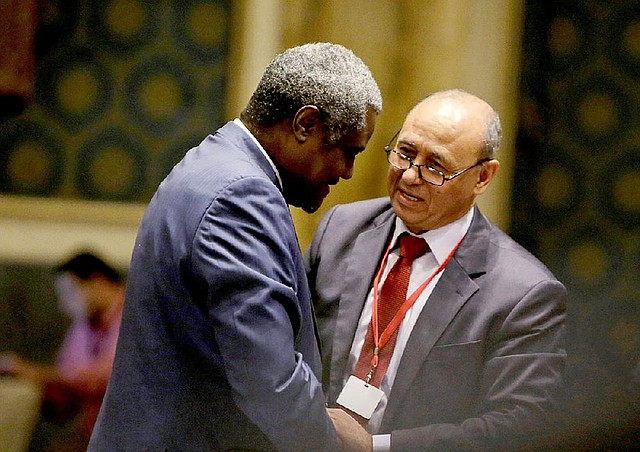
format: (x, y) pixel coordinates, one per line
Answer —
(406, 143)
(438, 158)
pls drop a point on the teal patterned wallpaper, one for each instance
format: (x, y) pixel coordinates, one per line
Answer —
(577, 187)
(123, 89)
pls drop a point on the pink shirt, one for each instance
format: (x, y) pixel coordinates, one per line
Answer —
(85, 360)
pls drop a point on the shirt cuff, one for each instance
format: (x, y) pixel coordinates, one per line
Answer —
(381, 443)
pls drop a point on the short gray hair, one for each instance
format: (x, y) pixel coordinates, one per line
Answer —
(328, 76)
(492, 136)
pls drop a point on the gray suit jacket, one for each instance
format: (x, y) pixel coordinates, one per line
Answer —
(483, 366)
(217, 349)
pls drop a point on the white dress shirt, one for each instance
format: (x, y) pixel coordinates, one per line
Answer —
(441, 242)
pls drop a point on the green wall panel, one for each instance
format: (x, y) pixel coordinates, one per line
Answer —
(577, 188)
(123, 89)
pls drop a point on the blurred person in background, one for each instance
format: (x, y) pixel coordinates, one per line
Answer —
(91, 293)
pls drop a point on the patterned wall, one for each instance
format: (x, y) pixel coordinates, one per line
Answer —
(123, 89)
(577, 188)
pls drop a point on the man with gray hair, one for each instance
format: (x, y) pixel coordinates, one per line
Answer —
(438, 331)
(218, 348)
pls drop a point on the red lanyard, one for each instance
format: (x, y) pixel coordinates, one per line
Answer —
(380, 341)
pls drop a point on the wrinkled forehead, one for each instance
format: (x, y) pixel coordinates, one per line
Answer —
(448, 120)
(453, 110)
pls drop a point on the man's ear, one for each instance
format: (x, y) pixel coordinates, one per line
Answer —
(487, 171)
(306, 119)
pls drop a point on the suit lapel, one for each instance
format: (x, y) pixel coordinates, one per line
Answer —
(452, 291)
(364, 259)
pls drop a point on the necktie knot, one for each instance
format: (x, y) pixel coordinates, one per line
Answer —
(412, 247)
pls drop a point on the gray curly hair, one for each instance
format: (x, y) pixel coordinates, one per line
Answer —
(328, 76)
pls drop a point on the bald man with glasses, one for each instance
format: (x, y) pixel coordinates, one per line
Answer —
(471, 354)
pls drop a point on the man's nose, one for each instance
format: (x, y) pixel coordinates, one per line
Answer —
(347, 170)
(412, 175)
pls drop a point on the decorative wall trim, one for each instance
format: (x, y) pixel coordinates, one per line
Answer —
(70, 211)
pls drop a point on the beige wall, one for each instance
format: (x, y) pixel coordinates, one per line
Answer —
(412, 47)
(415, 47)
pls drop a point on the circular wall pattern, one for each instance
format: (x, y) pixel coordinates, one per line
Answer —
(624, 37)
(160, 95)
(75, 87)
(111, 165)
(598, 111)
(152, 73)
(33, 160)
(122, 25)
(559, 187)
(569, 41)
(620, 190)
(555, 186)
(201, 28)
(588, 260)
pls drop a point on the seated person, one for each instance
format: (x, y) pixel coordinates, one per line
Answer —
(91, 292)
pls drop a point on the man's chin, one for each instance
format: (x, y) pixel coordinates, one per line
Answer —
(310, 204)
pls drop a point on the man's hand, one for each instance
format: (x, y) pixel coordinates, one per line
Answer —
(354, 437)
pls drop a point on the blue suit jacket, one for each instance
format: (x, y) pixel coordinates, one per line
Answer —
(483, 365)
(218, 348)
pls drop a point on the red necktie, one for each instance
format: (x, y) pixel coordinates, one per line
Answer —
(392, 295)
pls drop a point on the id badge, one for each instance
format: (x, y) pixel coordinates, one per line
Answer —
(360, 397)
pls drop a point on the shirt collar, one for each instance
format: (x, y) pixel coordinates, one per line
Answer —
(275, 170)
(441, 240)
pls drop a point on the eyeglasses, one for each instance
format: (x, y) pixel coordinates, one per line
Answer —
(431, 175)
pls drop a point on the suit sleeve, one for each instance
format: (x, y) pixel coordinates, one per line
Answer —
(520, 383)
(247, 256)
